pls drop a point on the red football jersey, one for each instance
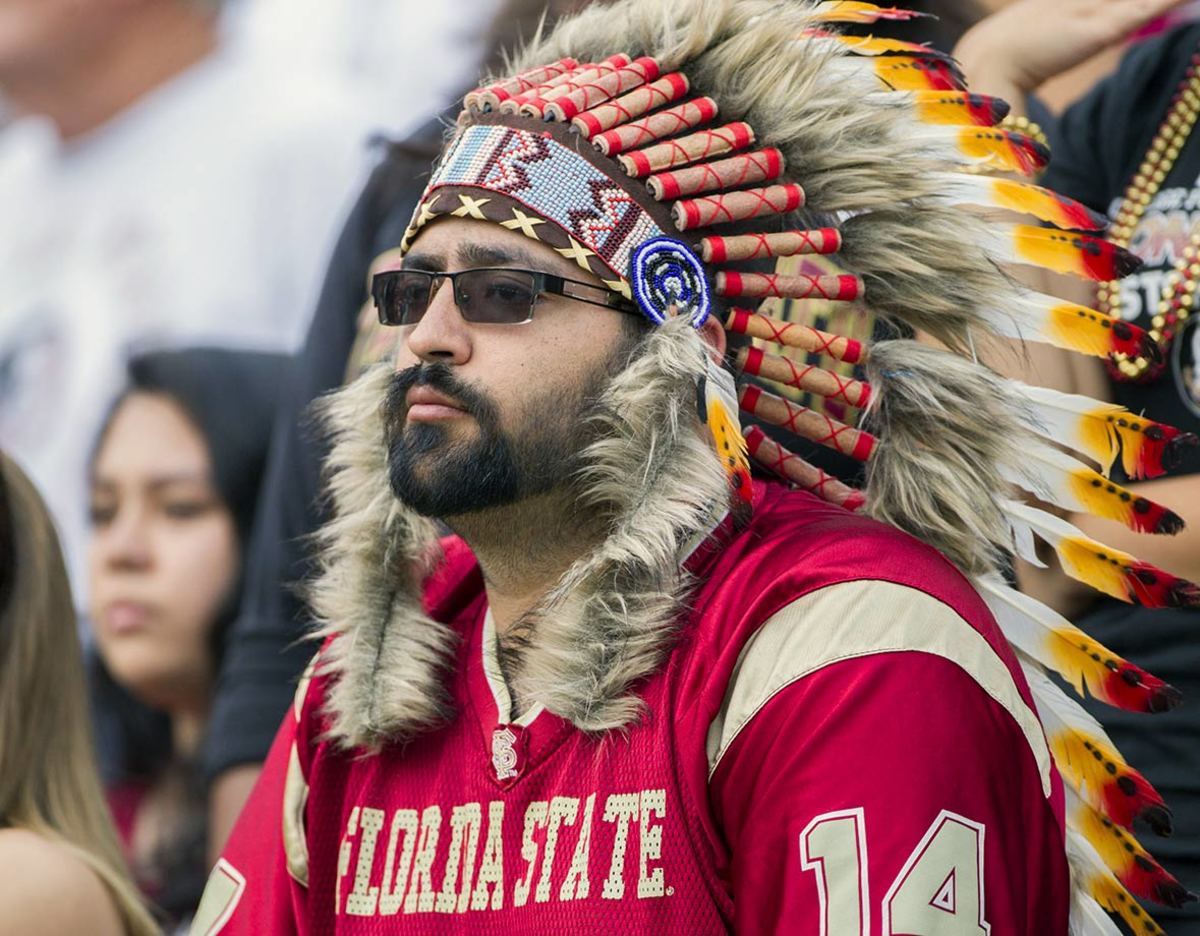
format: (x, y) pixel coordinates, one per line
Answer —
(840, 743)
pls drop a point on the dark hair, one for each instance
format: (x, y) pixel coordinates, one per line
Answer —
(230, 397)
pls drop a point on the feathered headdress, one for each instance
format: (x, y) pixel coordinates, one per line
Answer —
(677, 150)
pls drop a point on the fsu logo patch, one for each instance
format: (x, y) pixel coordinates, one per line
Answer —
(508, 753)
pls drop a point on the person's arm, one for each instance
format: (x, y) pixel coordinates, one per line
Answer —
(1012, 53)
(875, 758)
(46, 890)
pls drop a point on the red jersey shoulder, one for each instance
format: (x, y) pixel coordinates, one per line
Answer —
(816, 544)
(796, 545)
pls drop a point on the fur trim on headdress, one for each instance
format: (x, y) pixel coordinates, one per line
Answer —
(387, 655)
(658, 479)
(950, 426)
(651, 472)
(921, 268)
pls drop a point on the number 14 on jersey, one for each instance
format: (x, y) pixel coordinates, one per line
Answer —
(938, 892)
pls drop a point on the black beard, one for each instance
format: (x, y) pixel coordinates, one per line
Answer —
(440, 477)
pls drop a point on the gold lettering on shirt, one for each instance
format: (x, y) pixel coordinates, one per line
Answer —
(491, 869)
(468, 863)
(420, 896)
(651, 882)
(395, 876)
(464, 843)
(577, 885)
(563, 809)
(535, 818)
(620, 808)
(344, 856)
(362, 900)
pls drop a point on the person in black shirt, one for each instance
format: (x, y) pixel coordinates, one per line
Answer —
(1099, 147)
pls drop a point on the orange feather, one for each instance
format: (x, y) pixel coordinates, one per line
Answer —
(720, 414)
(1003, 150)
(957, 108)
(1105, 569)
(1088, 761)
(849, 11)
(917, 73)
(1102, 430)
(1081, 255)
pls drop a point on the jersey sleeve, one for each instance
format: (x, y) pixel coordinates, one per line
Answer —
(260, 882)
(876, 770)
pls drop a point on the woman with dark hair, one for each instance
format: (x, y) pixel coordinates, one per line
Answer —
(173, 482)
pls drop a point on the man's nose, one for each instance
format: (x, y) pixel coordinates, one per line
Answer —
(441, 334)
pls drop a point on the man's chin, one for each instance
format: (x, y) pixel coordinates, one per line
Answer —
(442, 477)
(421, 435)
(440, 500)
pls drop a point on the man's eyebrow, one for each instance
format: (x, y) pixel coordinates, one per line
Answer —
(423, 261)
(471, 254)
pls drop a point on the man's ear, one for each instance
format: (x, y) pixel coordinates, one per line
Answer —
(713, 333)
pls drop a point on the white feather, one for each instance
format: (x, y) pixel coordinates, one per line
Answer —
(960, 188)
(1088, 918)
(1048, 527)
(1027, 624)
(719, 383)
(1060, 417)
(1045, 472)
(1024, 545)
(1058, 711)
(1025, 314)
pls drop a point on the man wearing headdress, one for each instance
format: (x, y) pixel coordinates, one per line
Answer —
(637, 689)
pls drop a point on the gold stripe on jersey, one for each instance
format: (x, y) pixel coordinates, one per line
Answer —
(295, 791)
(302, 688)
(221, 895)
(295, 799)
(857, 619)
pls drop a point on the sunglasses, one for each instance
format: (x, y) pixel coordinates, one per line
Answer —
(499, 296)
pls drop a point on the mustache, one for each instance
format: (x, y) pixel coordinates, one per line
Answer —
(438, 377)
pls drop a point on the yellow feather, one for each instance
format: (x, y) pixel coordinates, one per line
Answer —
(1102, 568)
(727, 435)
(1112, 896)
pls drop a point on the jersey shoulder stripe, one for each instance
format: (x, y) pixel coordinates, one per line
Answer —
(856, 619)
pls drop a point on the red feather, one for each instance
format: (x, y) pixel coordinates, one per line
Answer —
(1158, 448)
(1155, 588)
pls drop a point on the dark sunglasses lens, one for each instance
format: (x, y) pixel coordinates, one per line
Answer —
(402, 297)
(496, 297)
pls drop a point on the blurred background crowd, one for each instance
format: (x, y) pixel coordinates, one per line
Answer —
(193, 195)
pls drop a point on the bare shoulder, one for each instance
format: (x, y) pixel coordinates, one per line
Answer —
(47, 889)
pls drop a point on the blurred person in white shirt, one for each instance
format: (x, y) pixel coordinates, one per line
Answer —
(158, 189)
(401, 54)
